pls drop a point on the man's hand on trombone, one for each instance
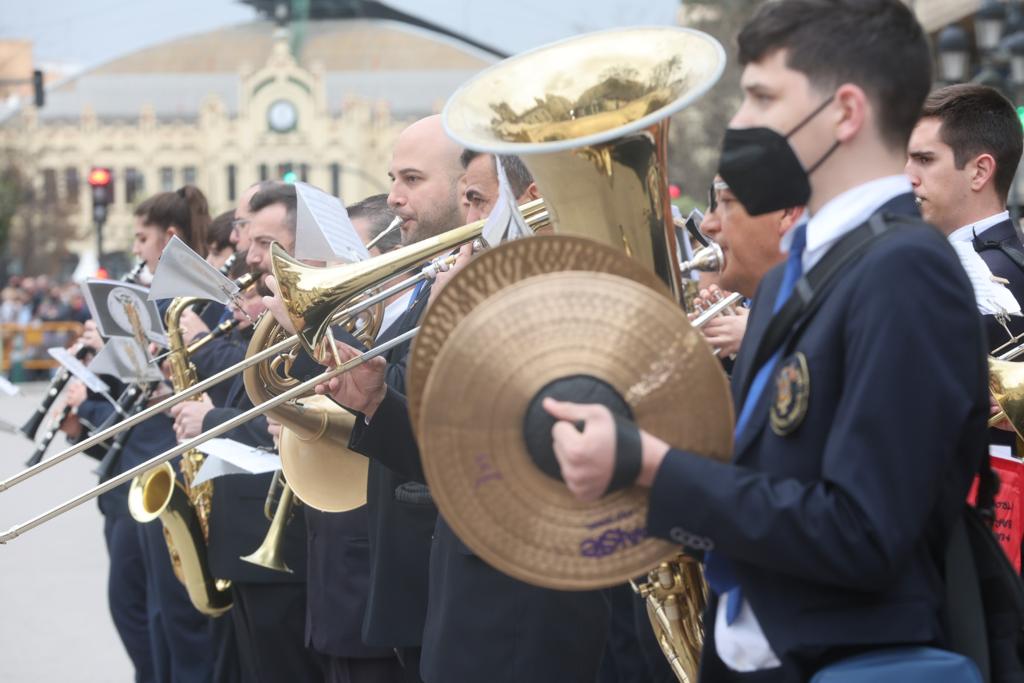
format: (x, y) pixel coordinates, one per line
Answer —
(362, 388)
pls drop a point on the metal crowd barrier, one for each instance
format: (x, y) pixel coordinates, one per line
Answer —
(23, 346)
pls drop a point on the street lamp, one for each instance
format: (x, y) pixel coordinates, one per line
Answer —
(954, 54)
(988, 25)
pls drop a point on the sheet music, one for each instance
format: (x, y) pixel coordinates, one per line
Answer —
(505, 221)
(75, 367)
(993, 298)
(183, 272)
(7, 387)
(227, 456)
(121, 309)
(324, 231)
(123, 358)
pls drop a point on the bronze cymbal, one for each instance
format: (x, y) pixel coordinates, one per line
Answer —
(492, 271)
(485, 483)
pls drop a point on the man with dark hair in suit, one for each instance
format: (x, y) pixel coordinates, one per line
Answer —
(962, 157)
(827, 531)
(269, 606)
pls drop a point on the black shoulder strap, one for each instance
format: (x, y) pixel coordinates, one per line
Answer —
(808, 293)
(1005, 246)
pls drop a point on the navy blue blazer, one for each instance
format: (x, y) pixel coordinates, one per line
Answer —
(837, 530)
(518, 632)
(987, 246)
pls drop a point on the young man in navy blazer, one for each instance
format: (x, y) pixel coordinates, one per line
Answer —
(962, 157)
(859, 436)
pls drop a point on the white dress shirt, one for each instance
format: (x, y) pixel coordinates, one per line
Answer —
(968, 232)
(742, 645)
(393, 310)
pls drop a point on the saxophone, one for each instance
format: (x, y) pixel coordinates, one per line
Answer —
(675, 594)
(182, 507)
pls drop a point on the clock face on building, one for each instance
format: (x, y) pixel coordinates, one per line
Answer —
(282, 116)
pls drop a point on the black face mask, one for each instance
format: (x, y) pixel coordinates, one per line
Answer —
(762, 169)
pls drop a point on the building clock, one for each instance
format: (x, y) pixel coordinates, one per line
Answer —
(282, 116)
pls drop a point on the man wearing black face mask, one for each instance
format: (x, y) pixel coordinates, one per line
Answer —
(829, 527)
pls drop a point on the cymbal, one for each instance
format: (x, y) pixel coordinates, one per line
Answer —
(326, 478)
(521, 521)
(492, 271)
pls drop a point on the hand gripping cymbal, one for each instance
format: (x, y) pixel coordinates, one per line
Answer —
(486, 483)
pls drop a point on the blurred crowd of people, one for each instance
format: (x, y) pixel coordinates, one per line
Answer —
(30, 299)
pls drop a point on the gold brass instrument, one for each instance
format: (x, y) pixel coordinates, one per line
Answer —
(158, 460)
(591, 126)
(183, 508)
(373, 273)
(675, 596)
(268, 555)
(315, 457)
(314, 295)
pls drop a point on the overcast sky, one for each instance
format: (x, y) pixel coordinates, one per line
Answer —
(88, 32)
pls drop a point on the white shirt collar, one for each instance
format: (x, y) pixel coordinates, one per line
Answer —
(393, 310)
(843, 213)
(971, 230)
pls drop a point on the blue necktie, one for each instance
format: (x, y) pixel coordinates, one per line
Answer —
(717, 569)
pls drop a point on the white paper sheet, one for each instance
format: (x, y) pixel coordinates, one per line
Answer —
(324, 231)
(183, 272)
(123, 358)
(75, 367)
(227, 456)
(993, 297)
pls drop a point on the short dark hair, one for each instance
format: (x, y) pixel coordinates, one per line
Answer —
(218, 237)
(186, 210)
(276, 193)
(875, 44)
(978, 119)
(376, 211)
(519, 177)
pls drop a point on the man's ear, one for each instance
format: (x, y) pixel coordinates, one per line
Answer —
(983, 171)
(531, 193)
(854, 110)
(789, 218)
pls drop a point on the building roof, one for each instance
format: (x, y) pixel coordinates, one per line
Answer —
(410, 67)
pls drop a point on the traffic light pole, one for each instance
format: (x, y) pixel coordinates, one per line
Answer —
(99, 217)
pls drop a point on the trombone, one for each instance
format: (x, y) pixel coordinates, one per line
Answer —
(318, 293)
(295, 392)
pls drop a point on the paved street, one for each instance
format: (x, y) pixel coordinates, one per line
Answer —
(54, 622)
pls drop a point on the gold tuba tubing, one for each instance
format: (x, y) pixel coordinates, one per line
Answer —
(315, 458)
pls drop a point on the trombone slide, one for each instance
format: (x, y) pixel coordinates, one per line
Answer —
(196, 441)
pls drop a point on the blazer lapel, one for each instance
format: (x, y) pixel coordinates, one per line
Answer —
(903, 204)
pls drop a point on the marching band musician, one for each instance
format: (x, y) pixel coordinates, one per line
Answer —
(750, 245)
(522, 632)
(268, 607)
(338, 547)
(827, 531)
(962, 157)
(147, 599)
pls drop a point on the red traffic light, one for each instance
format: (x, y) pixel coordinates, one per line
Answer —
(99, 177)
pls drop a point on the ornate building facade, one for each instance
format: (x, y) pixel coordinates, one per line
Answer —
(228, 108)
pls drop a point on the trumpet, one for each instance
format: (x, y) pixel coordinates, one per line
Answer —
(268, 555)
